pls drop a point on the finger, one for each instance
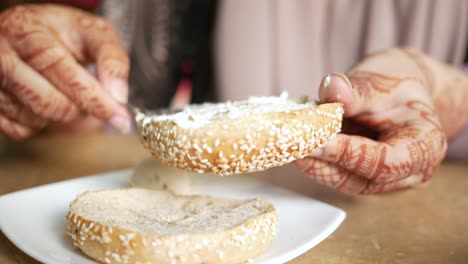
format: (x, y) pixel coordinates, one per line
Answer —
(333, 176)
(359, 155)
(14, 130)
(407, 149)
(409, 182)
(345, 181)
(32, 89)
(182, 96)
(103, 45)
(48, 57)
(359, 92)
(12, 109)
(336, 87)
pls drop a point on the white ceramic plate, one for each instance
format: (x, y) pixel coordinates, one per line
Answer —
(34, 219)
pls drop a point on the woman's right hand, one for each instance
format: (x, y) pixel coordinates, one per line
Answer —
(44, 50)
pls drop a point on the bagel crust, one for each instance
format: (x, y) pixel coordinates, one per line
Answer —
(249, 143)
(108, 243)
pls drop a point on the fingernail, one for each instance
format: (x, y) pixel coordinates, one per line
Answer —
(343, 77)
(122, 123)
(326, 81)
(324, 87)
(118, 89)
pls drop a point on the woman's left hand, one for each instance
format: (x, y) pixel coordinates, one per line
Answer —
(400, 108)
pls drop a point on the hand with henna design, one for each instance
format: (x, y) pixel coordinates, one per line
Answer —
(408, 105)
(44, 50)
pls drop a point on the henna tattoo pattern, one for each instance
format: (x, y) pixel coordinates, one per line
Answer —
(406, 154)
(449, 96)
(425, 111)
(400, 131)
(13, 110)
(368, 84)
(13, 129)
(102, 39)
(40, 75)
(369, 81)
(334, 176)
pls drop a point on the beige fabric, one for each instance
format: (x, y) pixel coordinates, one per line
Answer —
(266, 46)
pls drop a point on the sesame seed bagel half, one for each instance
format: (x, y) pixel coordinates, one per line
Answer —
(241, 136)
(145, 226)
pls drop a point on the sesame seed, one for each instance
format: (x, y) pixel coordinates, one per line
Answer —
(116, 257)
(220, 255)
(209, 150)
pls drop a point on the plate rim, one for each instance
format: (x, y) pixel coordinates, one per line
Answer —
(295, 252)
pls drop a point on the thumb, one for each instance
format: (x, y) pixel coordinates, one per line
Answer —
(336, 87)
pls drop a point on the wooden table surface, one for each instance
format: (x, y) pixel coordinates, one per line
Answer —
(426, 225)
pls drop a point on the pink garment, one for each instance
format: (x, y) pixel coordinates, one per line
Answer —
(266, 46)
(263, 47)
